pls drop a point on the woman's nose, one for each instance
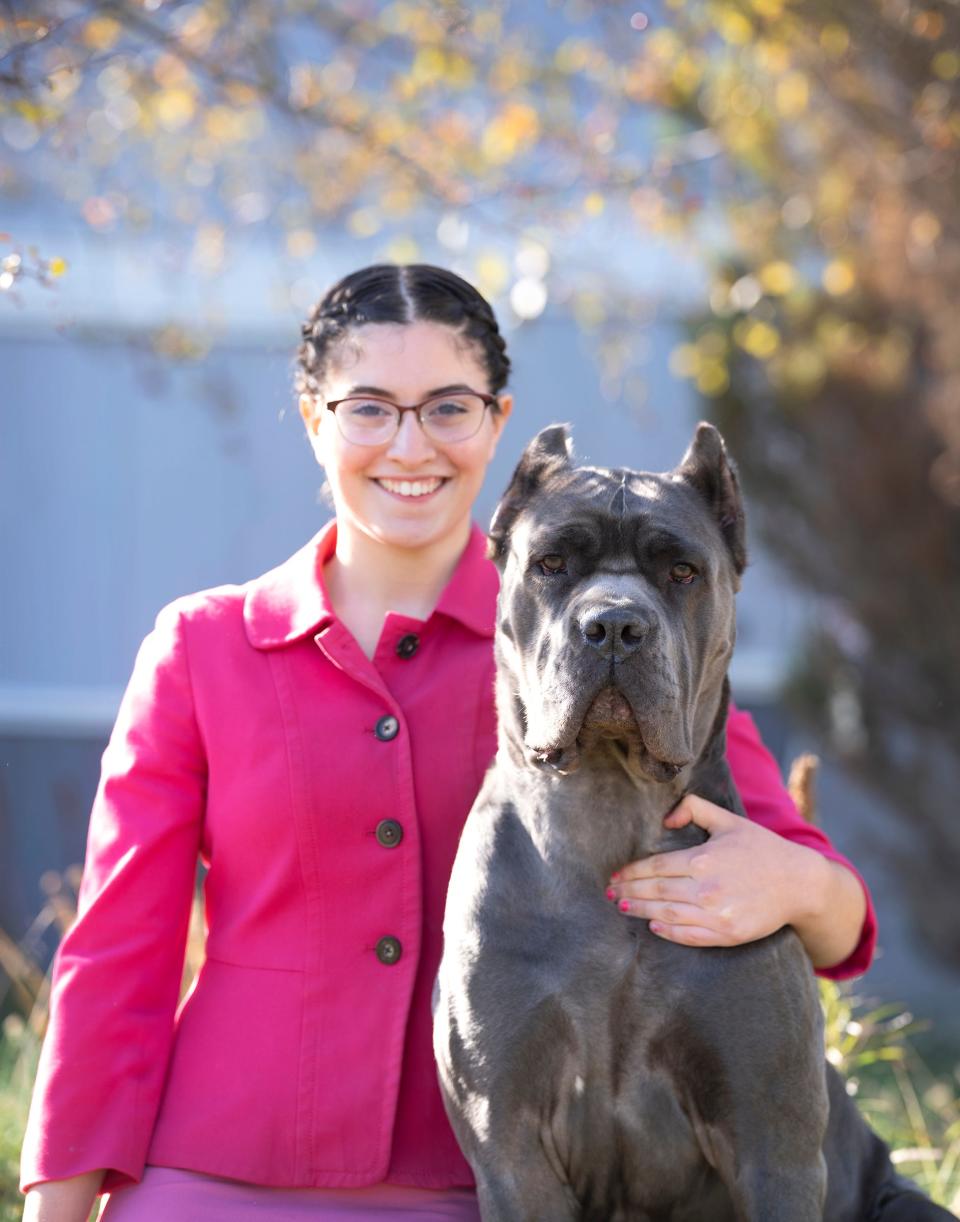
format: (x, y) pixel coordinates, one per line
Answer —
(411, 445)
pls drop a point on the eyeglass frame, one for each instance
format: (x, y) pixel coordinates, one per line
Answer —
(488, 401)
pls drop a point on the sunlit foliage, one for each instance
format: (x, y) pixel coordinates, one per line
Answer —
(798, 157)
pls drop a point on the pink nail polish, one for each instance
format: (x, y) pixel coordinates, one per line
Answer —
(614, 876)
(611, 894)
(624, 905)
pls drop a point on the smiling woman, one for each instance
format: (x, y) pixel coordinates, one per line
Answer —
(403, 478)
(317, 736)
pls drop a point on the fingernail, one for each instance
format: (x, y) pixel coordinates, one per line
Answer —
(656, 927)
(624, 905)
(611, 894)
(614, 876)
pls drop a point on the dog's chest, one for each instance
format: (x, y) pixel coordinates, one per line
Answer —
(582, 1037)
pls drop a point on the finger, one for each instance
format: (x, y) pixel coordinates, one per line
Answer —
(666, 914)
(675, 864)
(689, 935)
(694, 809)
(667, 890)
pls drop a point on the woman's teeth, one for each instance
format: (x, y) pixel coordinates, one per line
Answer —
(411, 487)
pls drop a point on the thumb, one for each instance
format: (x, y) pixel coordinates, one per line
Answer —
(694, 809)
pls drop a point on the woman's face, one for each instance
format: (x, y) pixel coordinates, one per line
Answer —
(372, 485)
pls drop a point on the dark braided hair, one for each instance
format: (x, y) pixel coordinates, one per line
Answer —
(389, 292)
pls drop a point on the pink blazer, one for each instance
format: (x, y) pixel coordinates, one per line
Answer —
(326, 793)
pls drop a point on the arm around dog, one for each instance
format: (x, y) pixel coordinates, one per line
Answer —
(751, 877)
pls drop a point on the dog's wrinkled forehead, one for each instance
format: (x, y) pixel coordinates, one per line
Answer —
(607, 506)
(700, 496)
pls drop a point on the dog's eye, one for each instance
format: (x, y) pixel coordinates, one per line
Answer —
(683, 573)
(551, 565)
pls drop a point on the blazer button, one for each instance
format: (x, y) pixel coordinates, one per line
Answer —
(386, 728)
(389, 833)
(408, 645)
(389, 950)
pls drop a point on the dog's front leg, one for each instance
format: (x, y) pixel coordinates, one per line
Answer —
(521, 1186)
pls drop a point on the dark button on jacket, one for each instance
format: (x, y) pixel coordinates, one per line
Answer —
(389, 833)
(386, 728)
(408, 645)
(389, 950)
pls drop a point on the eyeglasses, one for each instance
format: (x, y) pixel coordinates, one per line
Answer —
(368, 421)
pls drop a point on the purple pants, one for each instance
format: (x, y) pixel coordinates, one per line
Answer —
(166, 1194)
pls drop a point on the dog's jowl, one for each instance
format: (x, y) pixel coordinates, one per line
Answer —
(592, 1070)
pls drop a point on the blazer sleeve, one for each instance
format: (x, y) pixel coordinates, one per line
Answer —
(766, 801)
(117, 972)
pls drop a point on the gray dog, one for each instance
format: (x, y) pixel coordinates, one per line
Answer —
(592, 1070)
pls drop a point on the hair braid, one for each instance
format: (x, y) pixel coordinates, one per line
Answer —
(387, 292)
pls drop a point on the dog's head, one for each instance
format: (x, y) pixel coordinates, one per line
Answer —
(616, 614)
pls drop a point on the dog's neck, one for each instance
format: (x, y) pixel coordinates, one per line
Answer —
(607, 812)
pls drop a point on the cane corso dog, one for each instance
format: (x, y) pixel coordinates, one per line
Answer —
(592, 1070)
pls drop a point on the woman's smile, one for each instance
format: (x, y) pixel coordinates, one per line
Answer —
(421, 488)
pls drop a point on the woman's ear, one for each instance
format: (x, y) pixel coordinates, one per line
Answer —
(311, 414)
(506, 407)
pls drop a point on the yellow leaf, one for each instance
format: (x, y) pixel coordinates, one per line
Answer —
(174, 108)
(758, 338)
(925, 229)
(835, 39)
(100, 33)
(838, 277)
(777, 278)
(773, 57)
(493, 273)
(224, 124)
(168, 71)
(363, 222)
(428, 66)
(733, 27)
(712, 379)
(516, 127)
(402, 250)
(593, 204)
(793, 94)
(687, 74)
(946, 65)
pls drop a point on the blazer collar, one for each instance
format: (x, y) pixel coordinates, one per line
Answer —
(291, 601)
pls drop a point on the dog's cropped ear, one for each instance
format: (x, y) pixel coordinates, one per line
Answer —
(707, 466)
(546, 454)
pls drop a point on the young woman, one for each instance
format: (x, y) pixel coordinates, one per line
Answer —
(317, 736)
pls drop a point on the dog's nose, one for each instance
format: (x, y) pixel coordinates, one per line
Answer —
(617, 631)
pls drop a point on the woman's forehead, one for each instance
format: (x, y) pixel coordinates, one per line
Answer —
(417, 355)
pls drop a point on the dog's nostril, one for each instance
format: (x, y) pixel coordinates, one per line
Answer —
(631, 634)
(593, 630)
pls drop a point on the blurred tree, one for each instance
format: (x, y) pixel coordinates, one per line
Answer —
(804, 152)
(831, 351)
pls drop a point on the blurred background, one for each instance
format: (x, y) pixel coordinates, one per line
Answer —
(738, 210)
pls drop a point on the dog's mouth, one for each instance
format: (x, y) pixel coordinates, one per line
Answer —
(610, 715)
(611, 722)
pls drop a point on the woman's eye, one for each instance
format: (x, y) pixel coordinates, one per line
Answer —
(448, 407)
(552, 564)
(367, 409)
(683, 573)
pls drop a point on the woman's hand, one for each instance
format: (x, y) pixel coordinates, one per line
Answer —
(63, 1200)
(743, 883)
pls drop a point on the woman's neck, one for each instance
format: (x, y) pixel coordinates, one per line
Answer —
(366, 579)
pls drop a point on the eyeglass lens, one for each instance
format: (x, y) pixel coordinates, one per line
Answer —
(448, 418)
